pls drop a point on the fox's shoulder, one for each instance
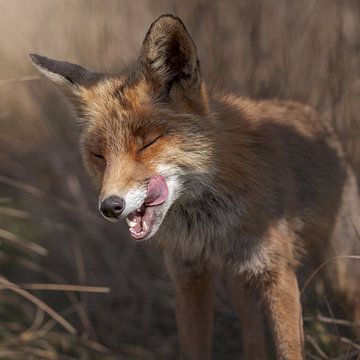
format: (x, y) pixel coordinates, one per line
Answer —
(301, 117)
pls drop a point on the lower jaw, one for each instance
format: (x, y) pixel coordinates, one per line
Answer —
(141, 236)
(146, 229)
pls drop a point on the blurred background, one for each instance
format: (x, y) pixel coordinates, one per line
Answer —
(50, 230)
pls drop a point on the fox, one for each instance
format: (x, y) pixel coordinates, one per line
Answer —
(224, 184)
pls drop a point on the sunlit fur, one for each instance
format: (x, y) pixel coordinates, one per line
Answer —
(254, 185)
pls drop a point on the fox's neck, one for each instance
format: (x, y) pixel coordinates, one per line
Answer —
(240, 158)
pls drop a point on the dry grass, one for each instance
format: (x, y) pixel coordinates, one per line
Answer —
(306, 50)
(30, 329)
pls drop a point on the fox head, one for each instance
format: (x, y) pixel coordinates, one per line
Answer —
(145, 130)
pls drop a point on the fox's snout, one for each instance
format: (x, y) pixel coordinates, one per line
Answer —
(143, 208)
(112, 207)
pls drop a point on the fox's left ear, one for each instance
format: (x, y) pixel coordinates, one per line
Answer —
(71, 78)
(169, 55)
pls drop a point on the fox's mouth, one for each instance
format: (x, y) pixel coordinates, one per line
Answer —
(144, 221)
(141, 222)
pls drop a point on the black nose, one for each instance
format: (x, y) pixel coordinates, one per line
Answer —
(112, 207)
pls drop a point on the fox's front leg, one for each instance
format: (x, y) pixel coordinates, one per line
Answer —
(194, 309)
(246, 305)
(281, 297)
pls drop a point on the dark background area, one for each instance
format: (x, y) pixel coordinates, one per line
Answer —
(307, 51)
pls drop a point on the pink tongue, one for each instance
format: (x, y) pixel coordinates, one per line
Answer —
(157, 191)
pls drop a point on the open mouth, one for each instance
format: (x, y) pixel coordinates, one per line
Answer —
(141, 222)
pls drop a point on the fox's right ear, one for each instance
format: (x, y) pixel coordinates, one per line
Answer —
(71, 78)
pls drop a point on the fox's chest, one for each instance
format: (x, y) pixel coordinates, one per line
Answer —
(211, 230)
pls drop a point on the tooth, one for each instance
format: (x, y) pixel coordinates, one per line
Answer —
(145, 226)
(130, 223)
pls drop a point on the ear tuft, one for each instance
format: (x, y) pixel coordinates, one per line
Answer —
(169, 52)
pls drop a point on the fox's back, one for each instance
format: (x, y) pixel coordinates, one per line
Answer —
(293, 158)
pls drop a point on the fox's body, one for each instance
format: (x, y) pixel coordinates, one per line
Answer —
(222, 183)
(268, 174)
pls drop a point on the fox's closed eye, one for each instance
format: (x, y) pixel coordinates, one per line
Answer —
(99, 156)
(149, 143)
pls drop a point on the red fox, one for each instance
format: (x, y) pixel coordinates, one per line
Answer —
(223, 183)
